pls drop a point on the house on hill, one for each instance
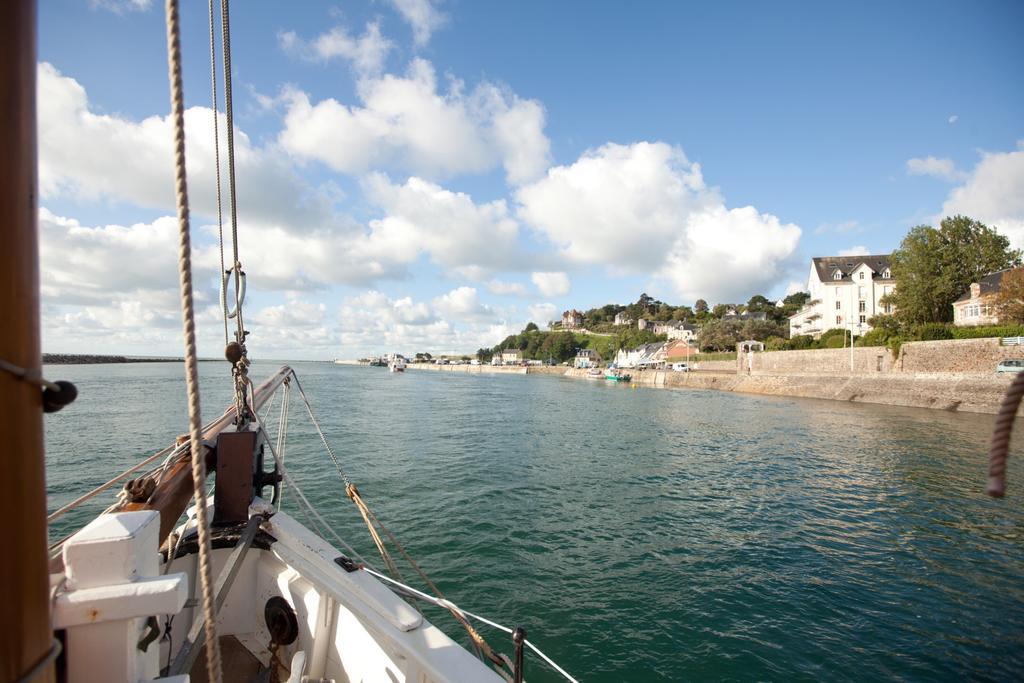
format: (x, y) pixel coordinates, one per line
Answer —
(977, 306)
(572, 319)
(846, 292)
(622, 318)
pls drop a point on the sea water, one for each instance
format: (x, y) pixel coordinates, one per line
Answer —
(637, 534)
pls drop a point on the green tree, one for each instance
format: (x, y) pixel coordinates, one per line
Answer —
(700, 306)
(484, 355)
(759, 303)
(1010, 298)
(719, 335)
(933, 267)
(531, 327)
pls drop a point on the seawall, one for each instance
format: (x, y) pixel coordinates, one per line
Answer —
(942, 391)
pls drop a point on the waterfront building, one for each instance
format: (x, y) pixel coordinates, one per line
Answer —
(511, 356)
(645, 355)
(572, 319)
(846, 292)
(977, 306)
(587, 358)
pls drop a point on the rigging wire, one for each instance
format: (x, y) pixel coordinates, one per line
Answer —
(230, 120)
(216, 165)
(213, 663)
(452, 607)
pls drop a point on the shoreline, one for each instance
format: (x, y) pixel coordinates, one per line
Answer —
(96, 359)
(959, 392)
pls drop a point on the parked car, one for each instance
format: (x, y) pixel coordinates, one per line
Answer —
(681, 367)
(1010, 366)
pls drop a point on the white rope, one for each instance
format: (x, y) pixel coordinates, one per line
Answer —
(448, 604)
(216, 161)
(213, 667)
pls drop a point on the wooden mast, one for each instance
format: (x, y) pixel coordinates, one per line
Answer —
(25, 633)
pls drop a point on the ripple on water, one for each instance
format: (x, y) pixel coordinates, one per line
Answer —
(639, 535)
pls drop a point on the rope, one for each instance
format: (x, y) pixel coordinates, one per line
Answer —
(999, 449)
(305, 501)
(30, 375)
(213, 667)
(452, 607)
(216, 161)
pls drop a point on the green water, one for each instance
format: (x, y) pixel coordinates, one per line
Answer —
(639, 535)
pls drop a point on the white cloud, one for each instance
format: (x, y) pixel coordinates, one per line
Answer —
(373, 323)
(794, 287)
(644, 208)
(542, 314)
(503, 288)
(366, 53)
(422, 16)
(944, 169)
(458, 234)
(462, 303)
(858, 250)
(88, 156)
(994, 193)
(953, 119)
(406, 123)
(121, 6)
(552, 284)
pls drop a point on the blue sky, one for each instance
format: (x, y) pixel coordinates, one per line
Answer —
(428, 175)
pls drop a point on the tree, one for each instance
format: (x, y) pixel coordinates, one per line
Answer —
(484, 355)
(719, 335)
(700, 306)
(1010, 298)
(933, 267)
(531, 327)
(720, 309)
(759, 303)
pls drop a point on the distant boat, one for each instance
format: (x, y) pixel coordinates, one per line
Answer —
(594, 373)
(616, 375)
(397, 365)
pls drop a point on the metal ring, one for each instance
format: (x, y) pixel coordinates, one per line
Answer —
(241, 291)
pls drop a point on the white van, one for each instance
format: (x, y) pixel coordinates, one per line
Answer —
(681, 367)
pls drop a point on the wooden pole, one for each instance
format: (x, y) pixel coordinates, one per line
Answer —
(25, 632)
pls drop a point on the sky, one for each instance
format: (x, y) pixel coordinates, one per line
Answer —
(430, 175)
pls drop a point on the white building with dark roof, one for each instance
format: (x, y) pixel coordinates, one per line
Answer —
(977, 306)
(846, 292)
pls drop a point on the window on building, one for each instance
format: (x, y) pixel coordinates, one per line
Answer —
(860, 292)
(839, 320)
(886, 274)
(861, 275)
(863, 319)
(886, 290)
(862, 306)
(838, 275)
(839, 305)
(888, 308)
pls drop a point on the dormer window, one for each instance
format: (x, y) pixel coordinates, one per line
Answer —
(838, 275)
(862, 275)
(886, 274)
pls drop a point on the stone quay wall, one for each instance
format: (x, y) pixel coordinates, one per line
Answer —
(972, 356)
